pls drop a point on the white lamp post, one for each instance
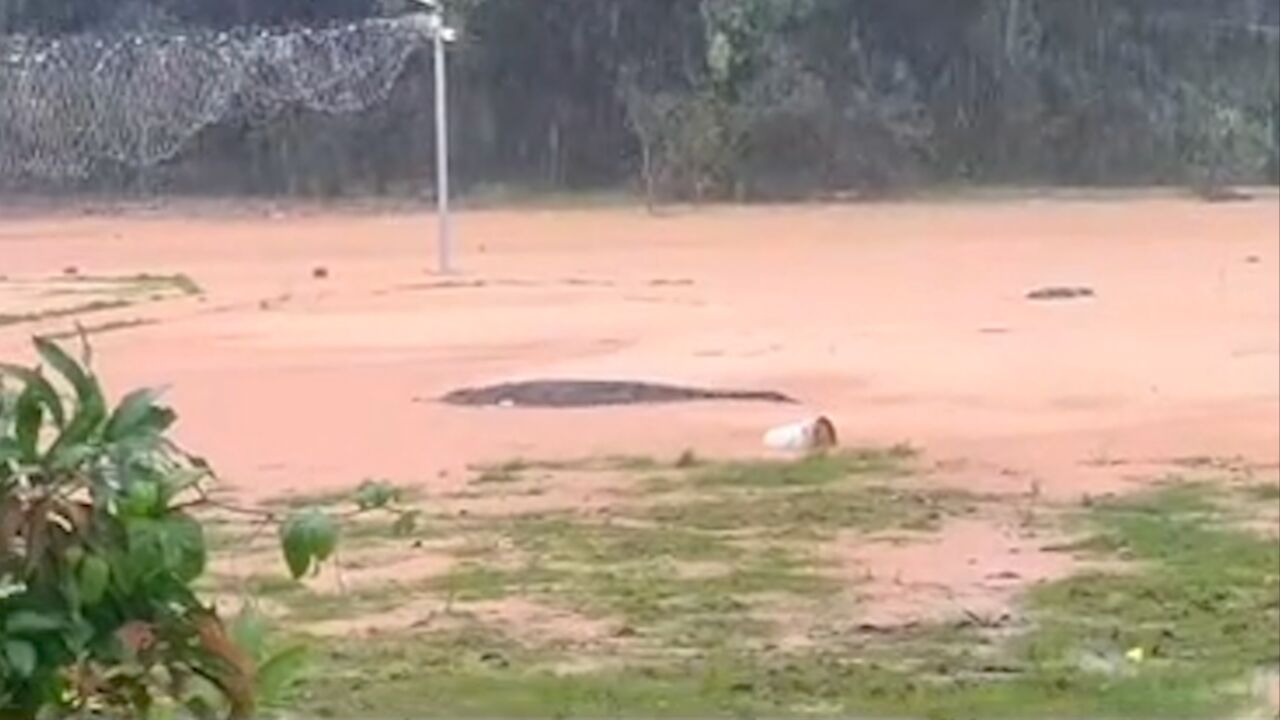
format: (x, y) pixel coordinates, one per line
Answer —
(441, 34)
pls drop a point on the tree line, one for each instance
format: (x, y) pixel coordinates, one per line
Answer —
(754, 99)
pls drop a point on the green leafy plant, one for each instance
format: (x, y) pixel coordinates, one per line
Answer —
(277, 667)
(309, 536)
(100, 544)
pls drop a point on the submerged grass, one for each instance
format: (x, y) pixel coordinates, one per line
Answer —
(85, 308)
(1264, 492)
(103, 293)
(815, 470)
(1188, 609)
(635, 573)
(1204, 596)
(810, 513)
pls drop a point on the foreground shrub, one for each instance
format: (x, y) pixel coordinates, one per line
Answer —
(99, 550)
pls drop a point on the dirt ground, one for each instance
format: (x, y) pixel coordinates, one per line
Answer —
(903, 322)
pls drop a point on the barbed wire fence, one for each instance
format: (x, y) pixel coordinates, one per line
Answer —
(71, 105)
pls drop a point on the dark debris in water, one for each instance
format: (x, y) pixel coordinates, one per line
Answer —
(597, 393)
(1057, 292)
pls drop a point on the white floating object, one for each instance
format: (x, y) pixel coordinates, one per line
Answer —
(817, 433)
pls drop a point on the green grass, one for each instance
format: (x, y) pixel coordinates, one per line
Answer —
(178, 281)
(632, 463)
(517, 469)
(144, 285)
(511, 471)
(1198, 595)
(272, 585)
(305, 605)
(492, 677)
(681, 571)
(565, 538)
(100, 328)
(1204, 596)
(1266, 492)
(226, 537)
(497, 476)
(313, 499)
(474, 581)
(809, 513)
(344, 498)
(86, 308)
(633, 573)
(1211, 462)
(815, 470)
(379, 530)
(807, 498)
(119, 291)
(701, 611)
(655, 485)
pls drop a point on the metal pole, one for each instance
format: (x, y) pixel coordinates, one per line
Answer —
(444, 239)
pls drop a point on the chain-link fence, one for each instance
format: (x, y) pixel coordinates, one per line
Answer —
(70, 106)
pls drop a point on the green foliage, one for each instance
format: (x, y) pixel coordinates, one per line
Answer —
(97, 554)
(99, 551)
(308, 538)
(278, 668)
(374, 495)
(765, 98)
(1208, 595)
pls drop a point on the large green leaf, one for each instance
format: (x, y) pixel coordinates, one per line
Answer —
(27, 424)
(68, 457)
(125, 571)
(7, 400)
(21, 656)
(138, 413)
(297, 552)
(92, 577)
(9, 449)
(374, 494)
(249, 632)
(69, 448)
(79, 377)
(141, 498)
(91, 408)
(281, 670)
(324, 537)
(27, 622)
(171, 545)
(43, 392)
(146, 555)
(185, 542)
(307, 539)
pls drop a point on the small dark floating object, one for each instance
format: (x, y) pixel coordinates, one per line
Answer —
(320, 273)
(596, 393)
(1060, 293)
